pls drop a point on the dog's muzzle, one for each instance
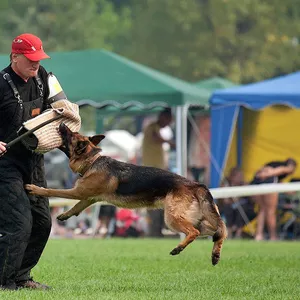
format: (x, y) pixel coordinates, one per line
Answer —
(66, 138)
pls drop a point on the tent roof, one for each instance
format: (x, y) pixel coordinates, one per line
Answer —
(94, 76)
(284, 90)
(100, 77)
(215, 83)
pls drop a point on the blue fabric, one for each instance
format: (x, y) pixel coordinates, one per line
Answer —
(223, 120)
(280, 90)
(283, 90)
(240, 137)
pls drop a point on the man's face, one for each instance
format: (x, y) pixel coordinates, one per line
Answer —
(165, 120)
(24, 66)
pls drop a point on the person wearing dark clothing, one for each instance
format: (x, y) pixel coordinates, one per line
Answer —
(237, 211)
(271, 172)
(237, 215)
(25, 221)
(106, 220)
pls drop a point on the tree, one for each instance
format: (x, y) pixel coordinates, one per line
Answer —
(71, 25)
(194, 39)
(67, 26)
(3, 9)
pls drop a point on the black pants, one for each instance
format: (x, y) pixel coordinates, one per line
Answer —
(24, 228)
(156, 225)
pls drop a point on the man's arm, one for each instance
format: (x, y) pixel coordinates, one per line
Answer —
(277, 171)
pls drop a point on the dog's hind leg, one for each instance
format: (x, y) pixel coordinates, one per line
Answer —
(180, 224)
(177, 208)
(218, 239)
(211, 222)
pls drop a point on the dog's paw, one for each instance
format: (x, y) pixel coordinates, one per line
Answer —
(176, 250)
(32, 189)
(215, 258)
(62, 217)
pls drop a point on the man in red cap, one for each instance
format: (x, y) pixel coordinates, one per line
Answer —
(25, 221)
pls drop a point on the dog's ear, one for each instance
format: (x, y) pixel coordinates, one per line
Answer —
(80, 147)
(96, 139)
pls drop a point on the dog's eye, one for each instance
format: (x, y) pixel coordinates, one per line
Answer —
(80, 147)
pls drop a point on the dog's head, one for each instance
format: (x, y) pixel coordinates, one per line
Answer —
(77, 146)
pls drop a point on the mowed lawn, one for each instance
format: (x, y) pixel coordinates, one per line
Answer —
(143, 269)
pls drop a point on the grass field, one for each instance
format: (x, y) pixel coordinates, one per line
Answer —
(143, 269)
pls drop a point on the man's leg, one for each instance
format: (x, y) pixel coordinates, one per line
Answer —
(15, 226)
(156, 217)
(271, 202)
(41, 227)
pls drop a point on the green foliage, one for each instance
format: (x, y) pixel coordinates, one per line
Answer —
(65, 25)
(243, 41)
(142, 269)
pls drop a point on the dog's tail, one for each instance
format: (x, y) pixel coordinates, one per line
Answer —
(213, 213)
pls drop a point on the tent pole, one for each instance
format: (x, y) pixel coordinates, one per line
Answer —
(181, 139)
(240, 138)
(181, 143)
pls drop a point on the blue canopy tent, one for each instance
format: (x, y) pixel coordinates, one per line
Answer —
(228, 107)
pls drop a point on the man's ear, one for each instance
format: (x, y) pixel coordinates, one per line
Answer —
(96, 139)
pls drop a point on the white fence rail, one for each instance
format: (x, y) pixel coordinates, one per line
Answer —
(223, 192)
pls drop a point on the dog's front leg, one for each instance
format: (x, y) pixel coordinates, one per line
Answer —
(75, 210)
(74, 193)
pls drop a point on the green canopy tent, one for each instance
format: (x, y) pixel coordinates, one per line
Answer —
(215, 83)
(97, 76)
(212, 84)
(108, 81)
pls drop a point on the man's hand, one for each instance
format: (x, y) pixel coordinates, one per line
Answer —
(2, 148)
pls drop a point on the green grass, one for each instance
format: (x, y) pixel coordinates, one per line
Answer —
(143, 269)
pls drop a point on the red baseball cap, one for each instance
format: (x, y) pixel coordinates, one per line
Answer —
(30, 46)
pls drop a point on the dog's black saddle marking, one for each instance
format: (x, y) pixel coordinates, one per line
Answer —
(134, 180)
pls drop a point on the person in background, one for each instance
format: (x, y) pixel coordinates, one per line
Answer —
(238, 210)
(153, 156)
(126, 223)
(271, 172)
(107, 215)
(25, 220)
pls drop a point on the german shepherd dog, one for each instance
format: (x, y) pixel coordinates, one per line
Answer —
(188, 205)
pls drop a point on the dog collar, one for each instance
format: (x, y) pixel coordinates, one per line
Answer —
(88, 164)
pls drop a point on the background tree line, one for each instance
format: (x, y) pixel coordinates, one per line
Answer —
(242, 40)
